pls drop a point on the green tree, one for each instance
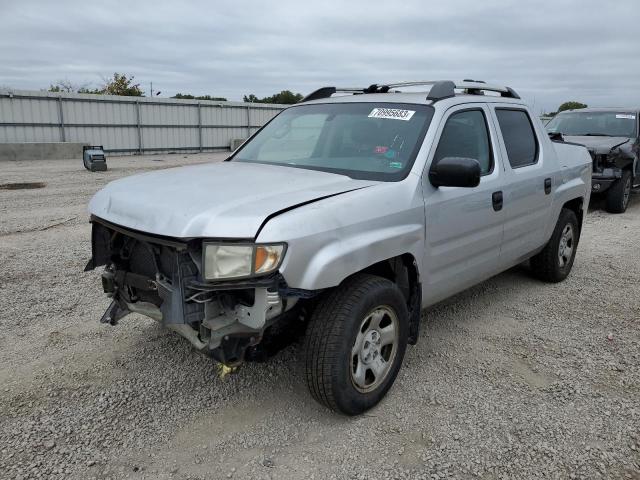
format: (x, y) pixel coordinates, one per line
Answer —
(95, 91)
(67, 86)
(120, 84)
(251, 99)
(286, 97)
(188, 96)
(573, 105)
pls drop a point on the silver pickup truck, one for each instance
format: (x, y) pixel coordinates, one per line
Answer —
(343, 218)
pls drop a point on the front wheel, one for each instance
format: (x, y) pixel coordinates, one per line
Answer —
(355, 343)
(554, 262)
(619, 194)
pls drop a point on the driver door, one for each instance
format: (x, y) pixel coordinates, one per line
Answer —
(464, 226)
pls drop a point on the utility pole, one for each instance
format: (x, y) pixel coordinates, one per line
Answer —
(151, 89)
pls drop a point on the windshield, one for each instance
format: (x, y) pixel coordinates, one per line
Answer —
(373, 141)
(611, 124)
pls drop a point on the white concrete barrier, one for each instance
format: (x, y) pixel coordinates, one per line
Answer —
(40, 151)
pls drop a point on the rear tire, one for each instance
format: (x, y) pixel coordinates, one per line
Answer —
(555, 261)
(355, 343)
(619, 193)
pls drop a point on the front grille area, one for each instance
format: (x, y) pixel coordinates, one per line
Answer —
(599, 162)
(168, 268)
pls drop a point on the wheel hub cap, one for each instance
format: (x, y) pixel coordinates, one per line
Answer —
(374, 350)
(370, 347)
(565, 248)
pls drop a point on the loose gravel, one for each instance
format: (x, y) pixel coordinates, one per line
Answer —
(511, 379)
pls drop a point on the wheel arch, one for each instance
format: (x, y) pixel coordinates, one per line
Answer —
(404, 272)
(576, 205)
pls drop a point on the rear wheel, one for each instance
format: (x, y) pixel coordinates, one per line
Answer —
(619, 193)
(555, 261)
(355, 343)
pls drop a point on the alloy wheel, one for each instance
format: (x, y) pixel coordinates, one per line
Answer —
(565, 249)
(374, 349)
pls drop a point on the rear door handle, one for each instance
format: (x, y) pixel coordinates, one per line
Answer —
(496, 199)
(547, 186)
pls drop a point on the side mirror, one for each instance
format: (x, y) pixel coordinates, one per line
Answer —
(555, 136)
(455, 172)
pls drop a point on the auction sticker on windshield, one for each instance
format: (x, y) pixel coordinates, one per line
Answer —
(393, 113)
(620, 115)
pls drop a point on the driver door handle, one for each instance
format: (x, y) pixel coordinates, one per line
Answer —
(497, 200)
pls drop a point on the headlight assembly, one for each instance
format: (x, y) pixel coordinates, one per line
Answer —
(228, 261)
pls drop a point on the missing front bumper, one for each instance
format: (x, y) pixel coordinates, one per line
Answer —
(163, 281)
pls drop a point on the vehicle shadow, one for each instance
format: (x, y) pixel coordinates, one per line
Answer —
(598, 201)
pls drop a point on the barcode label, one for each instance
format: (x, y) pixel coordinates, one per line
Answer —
(392, 113)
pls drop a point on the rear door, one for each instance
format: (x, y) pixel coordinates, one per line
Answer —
(528, 182)
(463, 225)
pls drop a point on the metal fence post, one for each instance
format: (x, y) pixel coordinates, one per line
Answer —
(248, 121)
(139, 129)
(63, 136)
(200, 126)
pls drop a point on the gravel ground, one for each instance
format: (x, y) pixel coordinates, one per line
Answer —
(511, 379)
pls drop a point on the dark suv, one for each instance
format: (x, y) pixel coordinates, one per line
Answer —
(612, 137)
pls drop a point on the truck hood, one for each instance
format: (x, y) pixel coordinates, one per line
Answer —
(598, 145)
(219, 200)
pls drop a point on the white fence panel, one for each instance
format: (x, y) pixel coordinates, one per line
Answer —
(128, 124)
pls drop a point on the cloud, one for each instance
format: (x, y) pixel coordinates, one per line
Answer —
(548, 51)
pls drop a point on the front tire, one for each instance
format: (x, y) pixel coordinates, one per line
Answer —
(619, 193)
(555, 261)
(355, 343)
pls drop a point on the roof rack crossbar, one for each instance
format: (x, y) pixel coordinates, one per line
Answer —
(411, 84)
(446, 89)
(326, 92)
(440, 89)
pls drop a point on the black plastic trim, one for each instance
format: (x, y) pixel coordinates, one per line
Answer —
(145, 237)
(179, 243)
(442, 90)
(324, 92)
(511, 93)
(271, 280)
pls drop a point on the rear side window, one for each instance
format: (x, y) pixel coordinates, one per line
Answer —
(465, 135)
(519, 137)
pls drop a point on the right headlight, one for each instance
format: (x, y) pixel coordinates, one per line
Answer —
(229, 261)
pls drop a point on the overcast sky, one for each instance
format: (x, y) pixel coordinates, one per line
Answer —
(547, 51)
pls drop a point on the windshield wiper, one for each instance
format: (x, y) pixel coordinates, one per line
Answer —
(593, 135)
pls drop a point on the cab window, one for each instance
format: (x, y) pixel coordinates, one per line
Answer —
(465, 134)
(519, 137)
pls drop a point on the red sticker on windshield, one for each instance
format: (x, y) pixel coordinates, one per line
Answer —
(380, 149)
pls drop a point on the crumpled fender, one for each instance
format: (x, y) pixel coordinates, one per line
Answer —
(334, 238)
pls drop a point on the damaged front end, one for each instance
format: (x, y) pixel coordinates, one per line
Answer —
(610, 162)
(162, 278)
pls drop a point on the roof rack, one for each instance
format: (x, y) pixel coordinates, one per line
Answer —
(440, 89)
(326, 92)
